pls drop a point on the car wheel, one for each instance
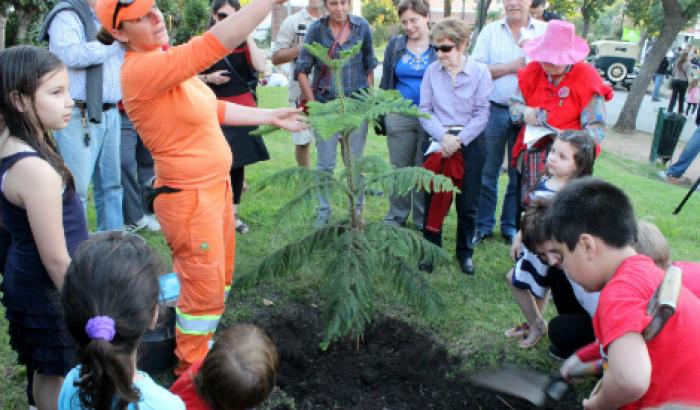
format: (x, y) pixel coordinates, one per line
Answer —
(616, 72)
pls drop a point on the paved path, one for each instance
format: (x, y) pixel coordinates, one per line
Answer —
(646, 119)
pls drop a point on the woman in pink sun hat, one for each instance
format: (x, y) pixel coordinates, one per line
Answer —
(559, 89)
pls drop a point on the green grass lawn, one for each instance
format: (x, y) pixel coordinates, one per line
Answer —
(479, 308)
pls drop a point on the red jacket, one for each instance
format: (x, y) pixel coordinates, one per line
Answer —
(563, 107)
(452, 167)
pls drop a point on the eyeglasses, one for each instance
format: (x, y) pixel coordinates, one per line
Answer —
(221, 16)
(120, 5)
(445, 48)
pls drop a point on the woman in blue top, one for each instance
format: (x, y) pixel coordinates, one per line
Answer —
(42, 213)
(405, 60)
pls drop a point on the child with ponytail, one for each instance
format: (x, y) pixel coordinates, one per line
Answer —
(110, 299)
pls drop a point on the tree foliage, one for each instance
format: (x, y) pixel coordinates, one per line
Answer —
(194, 21)
(589, 10)
(352, 256)
(379, 12)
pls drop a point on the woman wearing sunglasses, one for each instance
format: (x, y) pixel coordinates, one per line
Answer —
(234, 78)
(178, 118)
(405, 60)
(455, 92)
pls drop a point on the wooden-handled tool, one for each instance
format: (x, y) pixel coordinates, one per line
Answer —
(537, 388)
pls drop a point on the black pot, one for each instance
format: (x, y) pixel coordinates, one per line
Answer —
(157, 348)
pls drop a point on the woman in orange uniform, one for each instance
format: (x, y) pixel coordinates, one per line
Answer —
(178, 118)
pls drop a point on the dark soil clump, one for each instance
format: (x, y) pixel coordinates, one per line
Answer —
(396, 367)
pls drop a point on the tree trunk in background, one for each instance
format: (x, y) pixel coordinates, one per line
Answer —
(3, 25)
(24, 20)
(674, 20)
(447, 10)
(642, 40)
(586, 22)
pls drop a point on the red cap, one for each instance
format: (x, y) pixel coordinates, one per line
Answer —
(105, 11)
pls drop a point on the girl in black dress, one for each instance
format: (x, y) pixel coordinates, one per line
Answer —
(234, 79)
(42, 213)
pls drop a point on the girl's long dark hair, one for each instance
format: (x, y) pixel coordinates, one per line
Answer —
(115, 275)
(21, 71)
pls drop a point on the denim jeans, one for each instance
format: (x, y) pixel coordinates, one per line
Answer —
(499, 134)
(137, 167)
(327, 152)
(691, 150)
(97, 161)
(658, 80)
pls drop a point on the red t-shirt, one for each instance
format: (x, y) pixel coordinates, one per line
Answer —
(691, 276)
(675, 362)
(185, 388)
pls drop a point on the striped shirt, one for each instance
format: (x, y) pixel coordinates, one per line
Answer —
(496, 45)
(67, 41)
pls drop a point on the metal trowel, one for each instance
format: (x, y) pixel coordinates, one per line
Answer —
(537, 388)
(530, 385)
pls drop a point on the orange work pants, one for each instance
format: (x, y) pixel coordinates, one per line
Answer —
(198, 226)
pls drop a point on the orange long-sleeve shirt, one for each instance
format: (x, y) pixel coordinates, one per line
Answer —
(176, 114)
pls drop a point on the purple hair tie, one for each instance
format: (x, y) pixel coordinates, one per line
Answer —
(100, 327)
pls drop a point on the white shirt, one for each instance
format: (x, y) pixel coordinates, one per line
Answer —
(67, 41)
(287, 37)
(496, 45)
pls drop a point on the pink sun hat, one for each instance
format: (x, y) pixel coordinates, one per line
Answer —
(559, 45)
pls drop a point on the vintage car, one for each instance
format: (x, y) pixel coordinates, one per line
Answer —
(615, 61)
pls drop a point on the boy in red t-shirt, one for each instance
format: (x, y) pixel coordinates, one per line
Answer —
(238, 372)
(594, 229)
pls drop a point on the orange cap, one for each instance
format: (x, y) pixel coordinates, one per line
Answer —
(105, 11)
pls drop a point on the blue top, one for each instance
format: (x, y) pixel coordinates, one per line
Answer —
(153, 396)
(409, 72)
(393, 53)
(355, 71)
(26, 283)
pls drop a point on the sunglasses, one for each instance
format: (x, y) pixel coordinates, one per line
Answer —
(120, 5)
(221, 16)
(445, 48)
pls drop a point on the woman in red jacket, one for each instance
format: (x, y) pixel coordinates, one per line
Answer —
(559, 89)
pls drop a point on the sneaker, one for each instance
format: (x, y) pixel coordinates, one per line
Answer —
(663, 175)
(153, 224)
(242, 227)
(136, 226)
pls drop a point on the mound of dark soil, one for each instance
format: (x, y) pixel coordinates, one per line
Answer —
(396, 367)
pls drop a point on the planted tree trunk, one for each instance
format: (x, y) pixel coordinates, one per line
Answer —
(355, 256)
(674, 20)
(447, 10)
